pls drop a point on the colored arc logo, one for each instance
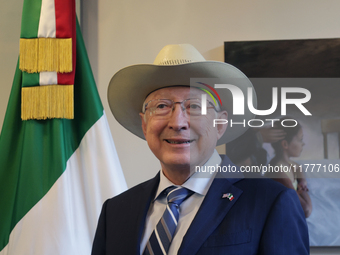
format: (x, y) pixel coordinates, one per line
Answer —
(213, 90)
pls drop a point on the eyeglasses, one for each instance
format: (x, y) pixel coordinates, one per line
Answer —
(163, 107)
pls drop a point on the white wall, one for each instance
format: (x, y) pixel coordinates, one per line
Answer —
(10, 22)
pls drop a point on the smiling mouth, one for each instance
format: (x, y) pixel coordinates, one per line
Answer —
(178, 141)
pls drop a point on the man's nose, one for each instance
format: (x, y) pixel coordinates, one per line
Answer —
(179, 118)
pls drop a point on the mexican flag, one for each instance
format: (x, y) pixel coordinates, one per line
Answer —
(55, 172)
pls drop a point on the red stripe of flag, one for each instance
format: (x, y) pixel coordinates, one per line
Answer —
(65, 12)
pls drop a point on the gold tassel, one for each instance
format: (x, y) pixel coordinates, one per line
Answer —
(28, 55)
(65, 55)
(47, 102)
(46, 55)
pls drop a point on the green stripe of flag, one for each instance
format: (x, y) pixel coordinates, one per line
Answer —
(34, 153)
(30, 18)
(30, 79)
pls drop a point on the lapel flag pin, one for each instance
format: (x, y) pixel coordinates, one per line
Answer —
(229, 196)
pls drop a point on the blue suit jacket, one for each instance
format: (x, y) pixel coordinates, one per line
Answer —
(263, 218)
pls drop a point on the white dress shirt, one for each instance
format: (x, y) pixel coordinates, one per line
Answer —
(200, 184)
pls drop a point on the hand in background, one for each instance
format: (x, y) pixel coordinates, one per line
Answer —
(271, 135)
(302, 185)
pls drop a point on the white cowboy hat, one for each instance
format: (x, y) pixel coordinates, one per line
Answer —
(175, 65)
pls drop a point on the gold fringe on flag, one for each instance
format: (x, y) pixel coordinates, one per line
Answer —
(46, 55)
(46, 102)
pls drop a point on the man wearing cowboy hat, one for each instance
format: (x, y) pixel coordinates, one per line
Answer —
(184, 210)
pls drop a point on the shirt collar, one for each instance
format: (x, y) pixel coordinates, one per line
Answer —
(198, 182)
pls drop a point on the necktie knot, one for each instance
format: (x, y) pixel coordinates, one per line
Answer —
(176, 195)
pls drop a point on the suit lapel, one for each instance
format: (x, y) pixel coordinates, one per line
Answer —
(143, 200)
(212, 211)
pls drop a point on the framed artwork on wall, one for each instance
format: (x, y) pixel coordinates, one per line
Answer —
(306, 70)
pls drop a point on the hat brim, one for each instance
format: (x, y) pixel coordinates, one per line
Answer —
(130, 86)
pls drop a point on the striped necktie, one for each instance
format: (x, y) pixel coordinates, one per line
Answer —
(162, 235)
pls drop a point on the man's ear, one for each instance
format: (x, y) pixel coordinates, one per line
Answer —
(221, 128)
(142, 117)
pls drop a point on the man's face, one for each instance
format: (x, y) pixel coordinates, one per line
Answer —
(179, 140)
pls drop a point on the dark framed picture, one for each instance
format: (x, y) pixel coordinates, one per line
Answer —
(297, 80)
